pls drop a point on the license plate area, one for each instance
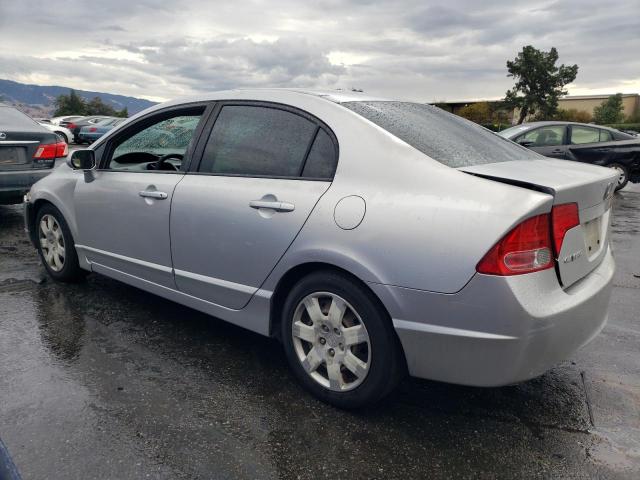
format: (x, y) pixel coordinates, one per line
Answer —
(592, 236)
(10, 156)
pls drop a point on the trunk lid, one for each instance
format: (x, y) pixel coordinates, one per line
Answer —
(591, 187)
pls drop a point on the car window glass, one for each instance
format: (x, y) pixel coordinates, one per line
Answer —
(581, 135)
(544, 136)
(605, 136)
(254, 140)
(443, 136)
(322, 159)
(168, 138)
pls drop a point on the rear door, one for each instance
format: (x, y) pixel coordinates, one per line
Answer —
(549, 140)
(263, 169)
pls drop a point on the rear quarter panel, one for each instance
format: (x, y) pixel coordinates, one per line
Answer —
(426, 225)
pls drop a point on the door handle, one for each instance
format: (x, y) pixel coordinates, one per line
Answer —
(153, 194)
(273, 205)
(557, 150)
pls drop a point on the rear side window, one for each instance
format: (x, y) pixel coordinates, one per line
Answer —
(322, 159)
(605, 136)
(580, 135)
(445, 137)
(257, 141)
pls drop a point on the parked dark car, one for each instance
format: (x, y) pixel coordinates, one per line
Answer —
(28, 152)
(91, 133)
(77, 125)
(582, 143)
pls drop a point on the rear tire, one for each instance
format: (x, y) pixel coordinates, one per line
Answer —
(623, 175)
(63, 136)
(339, 341)
(56, 247)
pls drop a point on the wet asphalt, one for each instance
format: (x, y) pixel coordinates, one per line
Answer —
(101, 380)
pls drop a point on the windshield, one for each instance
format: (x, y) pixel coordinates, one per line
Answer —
(445, 137)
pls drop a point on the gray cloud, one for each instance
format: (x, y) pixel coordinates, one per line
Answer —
(410, 49)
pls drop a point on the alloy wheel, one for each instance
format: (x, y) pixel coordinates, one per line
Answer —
(622, 175)
(52, 242)
(331, 341)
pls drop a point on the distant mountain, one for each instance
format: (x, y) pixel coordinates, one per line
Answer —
(38, 101)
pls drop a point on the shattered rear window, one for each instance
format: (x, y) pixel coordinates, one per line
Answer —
(447, 138)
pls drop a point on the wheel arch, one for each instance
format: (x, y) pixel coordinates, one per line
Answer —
(301, 270)
(295, 274)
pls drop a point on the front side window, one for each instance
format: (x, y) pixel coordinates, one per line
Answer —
(580, 135)
(257, 141)
(544, 136)
(158, 146)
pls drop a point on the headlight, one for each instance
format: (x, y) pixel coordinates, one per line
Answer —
(27, 197)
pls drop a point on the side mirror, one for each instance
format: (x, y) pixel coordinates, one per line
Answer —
(526, 143)
(83, 160)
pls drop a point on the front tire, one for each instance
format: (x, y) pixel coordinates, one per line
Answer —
(339, 341)
(56, 247)
(623, 175)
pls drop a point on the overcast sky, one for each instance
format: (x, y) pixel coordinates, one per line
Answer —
(413, 49)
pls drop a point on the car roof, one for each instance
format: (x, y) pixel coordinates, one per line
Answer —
(336, 96)
(559, 122)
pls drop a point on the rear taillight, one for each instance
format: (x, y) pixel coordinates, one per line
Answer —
(70, 126)
(563, 218)
(525, 249)
(50, 151)
(93, 129)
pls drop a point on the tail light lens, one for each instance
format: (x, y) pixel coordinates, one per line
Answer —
(525, 249)
(51, 151)
(70, 125)
(563, 218)
(93, 129)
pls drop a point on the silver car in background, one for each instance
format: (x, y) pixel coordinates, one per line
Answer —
(372, 237)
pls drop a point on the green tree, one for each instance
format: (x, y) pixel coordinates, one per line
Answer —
(539, 82)
(72, 104)
(97, 107)
(479, 112)
(609, 111)
(124, 113)
(571, 115)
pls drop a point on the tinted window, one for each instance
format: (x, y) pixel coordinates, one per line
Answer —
(581, 135)
(250, 140)
(445, 137)
(605, 136)
(544, 136)
(12, 119)
(322, 159)
(168, 136)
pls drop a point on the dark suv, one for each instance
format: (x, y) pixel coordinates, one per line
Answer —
(28, 152)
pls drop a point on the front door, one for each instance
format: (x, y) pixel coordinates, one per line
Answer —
(263, 170)
(123, 209)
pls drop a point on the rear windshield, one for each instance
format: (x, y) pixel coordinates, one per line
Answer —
(12, 119)
(445, 137)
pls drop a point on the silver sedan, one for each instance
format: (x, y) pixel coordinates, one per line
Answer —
(371, 237)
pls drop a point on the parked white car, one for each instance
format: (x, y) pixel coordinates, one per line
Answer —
(63, 132)
(66, 118)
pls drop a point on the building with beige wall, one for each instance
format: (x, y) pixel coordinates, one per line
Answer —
(586, 103)
(581, 103)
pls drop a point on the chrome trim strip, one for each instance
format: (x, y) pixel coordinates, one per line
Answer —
(142, 263)
(440, 330)
(239, 287)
